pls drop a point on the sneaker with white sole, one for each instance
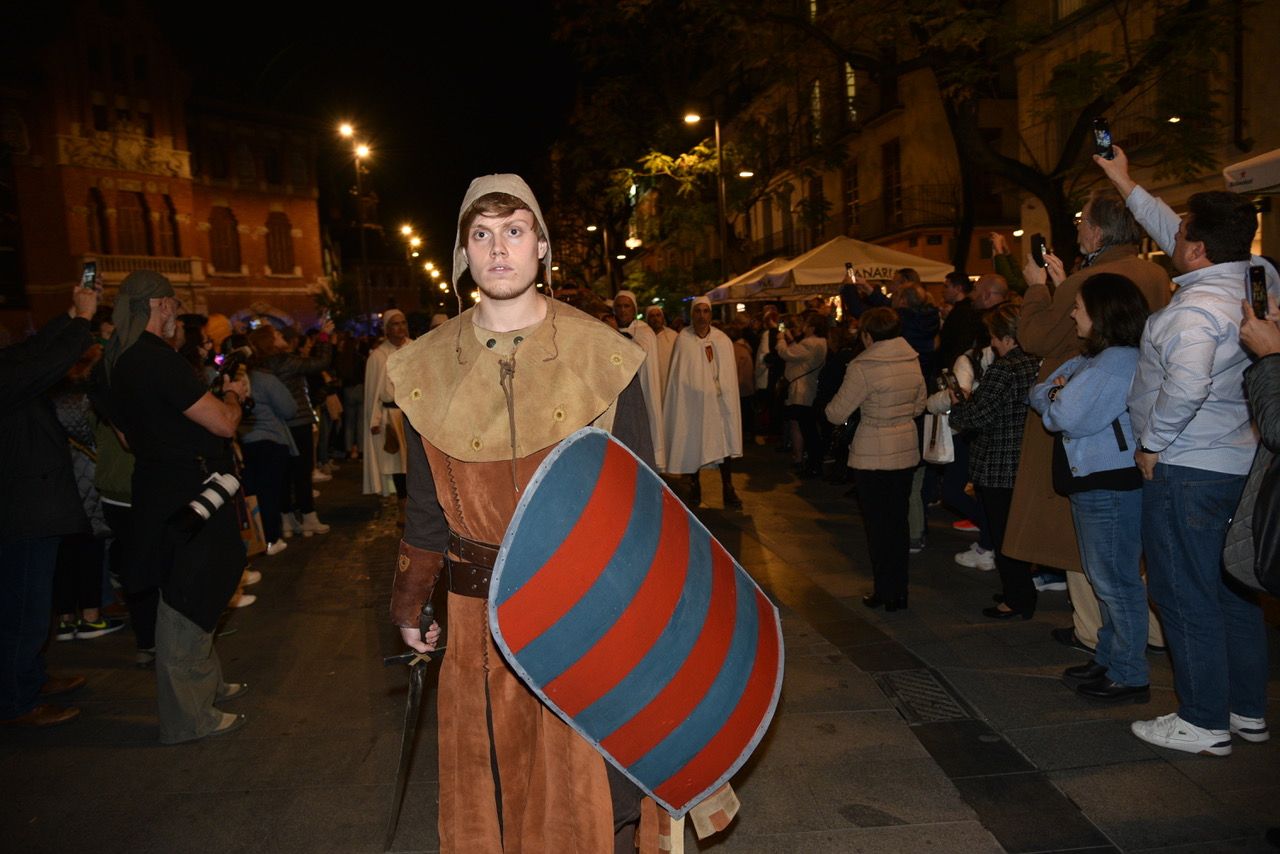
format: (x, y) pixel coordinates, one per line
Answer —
(242, 600)
(1174, 733)
(1250, 729)
(250, 576)
(275, 548)
(976, 557)
(319, 475)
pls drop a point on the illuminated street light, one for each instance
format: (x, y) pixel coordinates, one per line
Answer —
(444, 287)
(435, 274)
(415, 241)
(620, 257)
(346, 130)
(591, 228)
(362, 151)
(633, 243)
(429, 266)
(1017, 232)
(746, 173)
(406, 230)
(1173, 120)
(413, 254)
(475, 296)
(694, 118)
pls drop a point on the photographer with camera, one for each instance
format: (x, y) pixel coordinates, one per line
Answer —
(185, 537)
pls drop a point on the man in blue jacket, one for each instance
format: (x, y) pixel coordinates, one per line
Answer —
(1195, 446)
(39, 504)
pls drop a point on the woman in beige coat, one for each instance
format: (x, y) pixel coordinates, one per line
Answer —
(885, 382)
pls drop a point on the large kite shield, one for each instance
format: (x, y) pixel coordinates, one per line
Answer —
(630, 621)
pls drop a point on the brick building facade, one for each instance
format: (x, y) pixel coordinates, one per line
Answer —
(104, 156)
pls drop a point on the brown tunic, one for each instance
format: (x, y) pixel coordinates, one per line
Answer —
(553, 786)
(1040, 529)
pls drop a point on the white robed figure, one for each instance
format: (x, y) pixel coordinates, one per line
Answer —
(380, 466)
(629, 324)
(702, 414)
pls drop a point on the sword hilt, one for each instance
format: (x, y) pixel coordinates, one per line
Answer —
(426, 618)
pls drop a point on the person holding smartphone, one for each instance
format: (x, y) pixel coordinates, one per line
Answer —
(1040, 521)
(1195, 448)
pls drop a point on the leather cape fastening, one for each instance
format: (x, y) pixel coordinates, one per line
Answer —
(449, 384)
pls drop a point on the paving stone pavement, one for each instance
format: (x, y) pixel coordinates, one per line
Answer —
(925, 730)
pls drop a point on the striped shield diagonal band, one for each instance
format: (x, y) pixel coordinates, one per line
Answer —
(622, 612)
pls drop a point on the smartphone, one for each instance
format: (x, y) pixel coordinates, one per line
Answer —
(1102, 139)
(1258, 291)
(952, 383)
(89, 276)
(1038, 248)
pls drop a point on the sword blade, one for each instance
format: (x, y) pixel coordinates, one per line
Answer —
(412, 711)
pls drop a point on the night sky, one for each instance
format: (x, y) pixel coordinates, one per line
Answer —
(444, 92)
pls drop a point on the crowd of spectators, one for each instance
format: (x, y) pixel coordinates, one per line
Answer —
(119, 418)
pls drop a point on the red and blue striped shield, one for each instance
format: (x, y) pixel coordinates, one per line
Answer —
(622, 612)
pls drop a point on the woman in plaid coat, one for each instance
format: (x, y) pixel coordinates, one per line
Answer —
(996, 413)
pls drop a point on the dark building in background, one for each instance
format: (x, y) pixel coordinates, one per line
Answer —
(104, 156)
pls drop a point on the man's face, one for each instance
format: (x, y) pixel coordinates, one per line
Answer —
(167, 308)
(701, 315)
(398, 331)
(1187, 254)
(624, 309)
(951, 292)
(656, 321)
(1088, 235)
(504, 254)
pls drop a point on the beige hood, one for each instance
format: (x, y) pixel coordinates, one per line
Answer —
(512, 185)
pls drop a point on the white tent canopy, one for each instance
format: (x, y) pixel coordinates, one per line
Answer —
(822, 270)
(746, 285)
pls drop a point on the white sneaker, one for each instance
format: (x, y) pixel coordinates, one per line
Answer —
(242, 600)
(1174, 733)
(311, 524)
(319, 475)
(275, 548)
(288, 525)
(1250, 729)
(250, 576)
(976, 557)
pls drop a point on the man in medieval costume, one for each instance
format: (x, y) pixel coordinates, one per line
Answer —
(384, 459)
(666, 337)
(702, 412)
(630, 325)
(486, 397)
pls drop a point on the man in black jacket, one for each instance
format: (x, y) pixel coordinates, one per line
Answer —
(39, 504)
(963, 323)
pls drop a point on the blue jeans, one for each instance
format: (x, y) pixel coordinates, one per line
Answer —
(26, 601)
(1108, 529)
(1216, 636)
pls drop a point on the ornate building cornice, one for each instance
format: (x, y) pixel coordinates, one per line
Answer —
(124, 152)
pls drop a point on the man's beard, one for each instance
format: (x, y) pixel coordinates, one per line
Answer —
(503, 291)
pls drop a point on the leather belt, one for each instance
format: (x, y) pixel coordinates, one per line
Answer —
(470, 571)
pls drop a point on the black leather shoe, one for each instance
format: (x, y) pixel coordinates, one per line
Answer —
(1089, 672)
(1109, 691)
(898, 604)
(998, 613)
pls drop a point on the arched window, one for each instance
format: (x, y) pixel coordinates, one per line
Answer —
(224, 241)
(167, 230)
(96, 223)
(133, 224)
(279, 244)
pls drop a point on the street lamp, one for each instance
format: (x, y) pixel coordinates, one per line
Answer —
(608, 258)
(693, 119)
(361, 153)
